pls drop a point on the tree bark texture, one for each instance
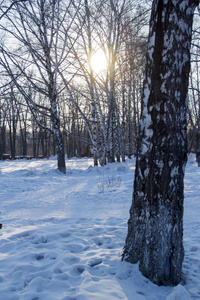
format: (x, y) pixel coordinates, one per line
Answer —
(155, 227)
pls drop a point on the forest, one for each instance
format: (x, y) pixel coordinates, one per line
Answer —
(71, 79)
(108, 80)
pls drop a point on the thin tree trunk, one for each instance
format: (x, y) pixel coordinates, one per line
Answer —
(155, 227)
(34, 142)
(3, 141)
(198, 120)
(123, 130)
(198, 146)
(91, 75)
(116, 134)
(111, 157)
(55, 118)
(129, 123)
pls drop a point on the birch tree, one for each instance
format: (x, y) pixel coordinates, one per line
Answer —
(194, 108)
(39, 31)
(3, 117)
(194, 95)
(12, 120)
(155, 226)
(113, 38)
(83, 66)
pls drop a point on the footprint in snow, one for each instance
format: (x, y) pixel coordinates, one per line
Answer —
(39, 256)
(194, 249)
(95, 262)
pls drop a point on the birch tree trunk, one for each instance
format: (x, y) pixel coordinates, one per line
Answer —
(198, 143)
(123, 129)
(155, 227)
(58, 137)
(129, 124)
(91, 75)
(198, 117)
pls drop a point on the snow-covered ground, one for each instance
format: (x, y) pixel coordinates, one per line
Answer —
(63, 235)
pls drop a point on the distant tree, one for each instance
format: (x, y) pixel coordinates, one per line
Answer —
(12, 119)
(83, 65)
(194, 109)
(194, 95)
(155, 226)
(23, 125)
(3, 116)
(39, 31)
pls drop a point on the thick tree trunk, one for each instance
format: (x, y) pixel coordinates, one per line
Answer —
(155, 227)
(59, 143)
(58, 138)
(60, 150)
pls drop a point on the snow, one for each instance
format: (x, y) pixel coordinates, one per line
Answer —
(63, 234)
(179, 292)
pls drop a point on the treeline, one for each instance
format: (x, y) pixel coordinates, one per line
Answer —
(51, 93)
(52, 99)
(194, 91)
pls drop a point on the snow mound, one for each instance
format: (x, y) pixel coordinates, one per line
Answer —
(179, 293)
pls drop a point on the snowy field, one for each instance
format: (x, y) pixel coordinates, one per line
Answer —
(63, 235)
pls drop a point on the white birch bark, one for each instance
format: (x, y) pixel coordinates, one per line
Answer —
(155, 227)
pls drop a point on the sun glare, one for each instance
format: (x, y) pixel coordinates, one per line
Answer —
(98, 62)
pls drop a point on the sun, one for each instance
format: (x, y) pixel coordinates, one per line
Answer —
(98, 62)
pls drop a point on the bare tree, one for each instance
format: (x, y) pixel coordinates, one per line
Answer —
(53, 45)
(194, 94)
(3, 117)
(40, 30)
(113, 22)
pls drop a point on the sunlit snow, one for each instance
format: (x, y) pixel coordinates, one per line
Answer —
(63, 235)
